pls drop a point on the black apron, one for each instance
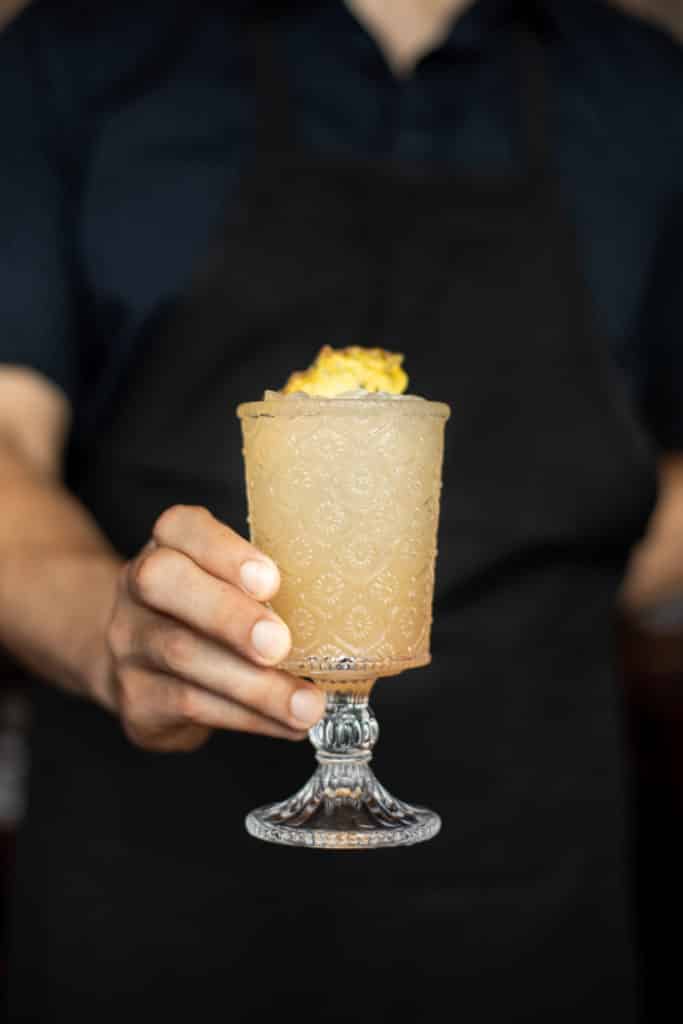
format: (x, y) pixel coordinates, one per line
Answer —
(138, 889)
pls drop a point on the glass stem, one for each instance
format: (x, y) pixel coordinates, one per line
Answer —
(343, 806)
(347, 731)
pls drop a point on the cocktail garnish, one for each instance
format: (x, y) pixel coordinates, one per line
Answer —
(338, 371)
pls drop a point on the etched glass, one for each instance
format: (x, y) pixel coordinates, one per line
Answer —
(343, 494)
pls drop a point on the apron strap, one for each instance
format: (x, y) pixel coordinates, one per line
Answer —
(275, 129)
(532, 77)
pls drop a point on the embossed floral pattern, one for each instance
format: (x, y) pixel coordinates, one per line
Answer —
(327, 591)
(347, 502)
(303, 625)
(327, 517)
(359, 623)
(384, 587)
(299, 556)
(363, 553)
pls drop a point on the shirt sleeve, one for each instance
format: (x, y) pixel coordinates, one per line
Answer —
(661, 337)
(35, 318)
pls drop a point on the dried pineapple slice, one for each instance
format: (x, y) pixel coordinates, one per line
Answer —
(336, 371)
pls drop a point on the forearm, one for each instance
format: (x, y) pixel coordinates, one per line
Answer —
(58, 579)
(655, 572)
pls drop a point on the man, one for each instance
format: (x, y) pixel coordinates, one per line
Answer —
(483, 192)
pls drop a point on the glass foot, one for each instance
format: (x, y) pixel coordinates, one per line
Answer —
(343, 807)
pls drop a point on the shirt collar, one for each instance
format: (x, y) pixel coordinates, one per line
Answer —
(470, 31)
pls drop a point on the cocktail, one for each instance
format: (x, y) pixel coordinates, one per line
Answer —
(343, 494)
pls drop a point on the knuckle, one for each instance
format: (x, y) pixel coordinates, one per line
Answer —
(118, 636)
(139, 737)
(159, 730)
(224, 613)
(171, 741)
(150, 572)
(178, 519)
(176, 648)
(189, 704)
(169, 522)
(184, 741)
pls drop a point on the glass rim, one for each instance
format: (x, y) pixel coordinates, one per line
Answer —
(290, 406)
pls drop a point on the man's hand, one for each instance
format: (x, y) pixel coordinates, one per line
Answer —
(192, 644)
(177, 642)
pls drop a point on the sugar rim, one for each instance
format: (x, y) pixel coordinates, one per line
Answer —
(313, 405)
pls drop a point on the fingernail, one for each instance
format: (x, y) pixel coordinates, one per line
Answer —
(270, 639)
(259, 578)
(307, 706)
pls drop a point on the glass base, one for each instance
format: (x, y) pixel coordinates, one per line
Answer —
(343, 807)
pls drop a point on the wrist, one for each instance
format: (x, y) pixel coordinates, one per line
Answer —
(92, 658)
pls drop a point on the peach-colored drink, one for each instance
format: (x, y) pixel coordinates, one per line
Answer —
(343, 494)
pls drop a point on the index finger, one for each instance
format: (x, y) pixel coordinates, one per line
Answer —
(217, 549)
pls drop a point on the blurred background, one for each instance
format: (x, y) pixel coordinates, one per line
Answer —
(652, 675)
